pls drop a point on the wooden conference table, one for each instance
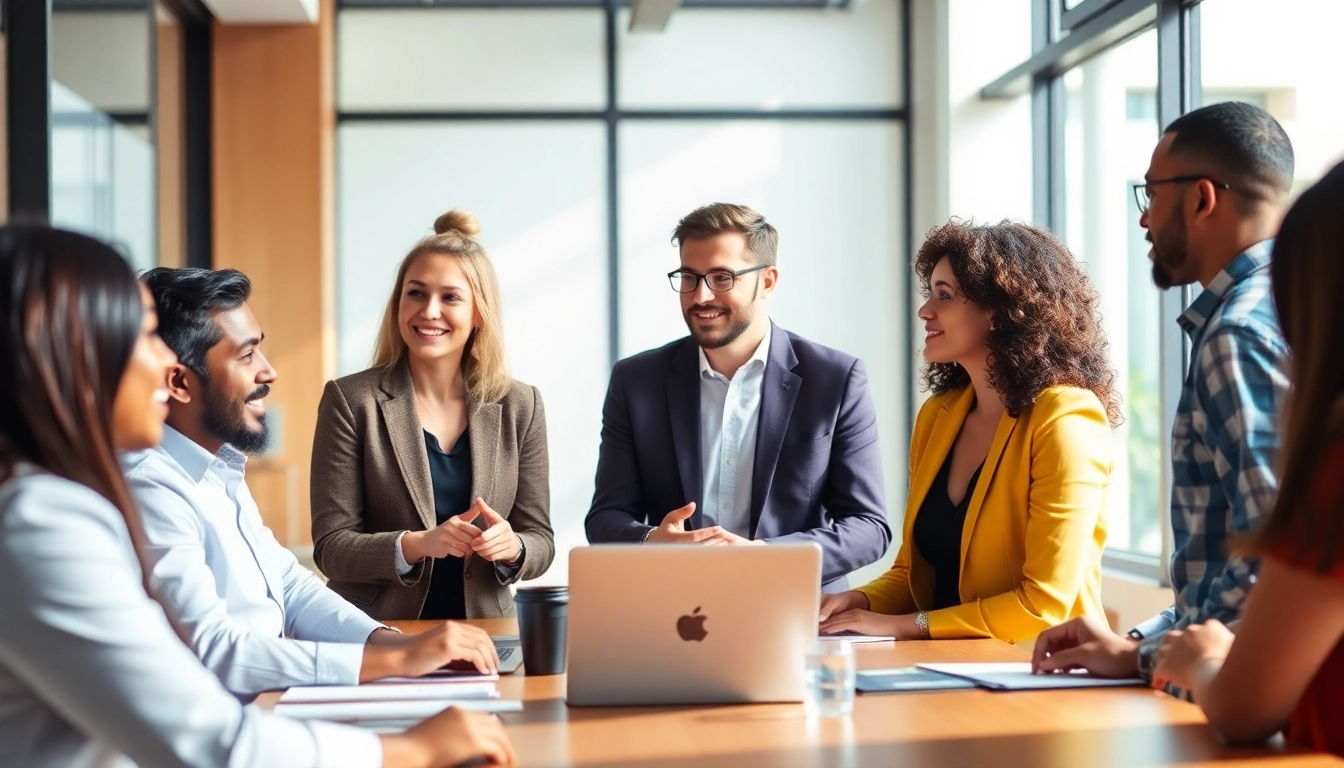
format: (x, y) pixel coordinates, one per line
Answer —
(1126, 727)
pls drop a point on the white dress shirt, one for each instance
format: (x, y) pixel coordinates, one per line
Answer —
(730, 412)
(91, 674)
(256, 617)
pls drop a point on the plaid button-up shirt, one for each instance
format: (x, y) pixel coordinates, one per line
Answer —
(1224, 441)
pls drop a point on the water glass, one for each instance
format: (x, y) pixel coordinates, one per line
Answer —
(829, 679)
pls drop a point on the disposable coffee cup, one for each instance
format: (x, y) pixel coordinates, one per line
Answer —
(543, 616)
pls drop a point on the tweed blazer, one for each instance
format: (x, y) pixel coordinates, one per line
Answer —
(370, 482)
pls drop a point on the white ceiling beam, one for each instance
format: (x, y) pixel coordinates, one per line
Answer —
(651, 15)
(264, 11)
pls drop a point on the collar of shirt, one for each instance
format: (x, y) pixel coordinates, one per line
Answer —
(198, 462)
(757, 359)
(1247, 263)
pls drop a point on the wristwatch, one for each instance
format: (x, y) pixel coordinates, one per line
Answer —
(922, 624)
(1148, 657)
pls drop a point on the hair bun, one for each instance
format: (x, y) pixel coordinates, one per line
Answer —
(458, 221)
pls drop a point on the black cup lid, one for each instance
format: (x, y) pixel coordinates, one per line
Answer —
(527, 594)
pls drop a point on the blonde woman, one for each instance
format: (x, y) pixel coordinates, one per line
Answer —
(430, 481)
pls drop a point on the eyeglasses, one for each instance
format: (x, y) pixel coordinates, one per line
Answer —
(719, 281)
(1143, 193)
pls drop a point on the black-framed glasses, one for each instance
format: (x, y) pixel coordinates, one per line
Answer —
(719, 281)
(1143, 192)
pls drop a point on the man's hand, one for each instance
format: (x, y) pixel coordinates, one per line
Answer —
(727, 538)
(673, 530)
(498, 543)
(452, 737)
(1084, 643)
(1195, 651)
(417, 655)
(832, 605)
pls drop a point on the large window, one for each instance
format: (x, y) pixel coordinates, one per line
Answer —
(1110, 128)
(1105, 76)
(579, 173)
(1303, 96)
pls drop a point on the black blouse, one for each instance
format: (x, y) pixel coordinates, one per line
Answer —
(938, 529)
(450, 473)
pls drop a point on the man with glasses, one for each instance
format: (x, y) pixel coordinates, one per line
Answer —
(1215, 192)
(741, 433)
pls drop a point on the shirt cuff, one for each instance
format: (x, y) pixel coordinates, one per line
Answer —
(338, 663)
(403, 567)
(342, 745)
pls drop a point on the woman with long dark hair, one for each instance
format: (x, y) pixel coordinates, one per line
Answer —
(91, 671)
(1011, 458)
(1286, 669)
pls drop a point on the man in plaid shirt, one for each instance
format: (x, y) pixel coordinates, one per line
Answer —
(1216, 189)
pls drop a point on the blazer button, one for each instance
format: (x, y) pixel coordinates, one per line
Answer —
(468, 574)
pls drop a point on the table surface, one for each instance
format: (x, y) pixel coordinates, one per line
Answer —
(1126, 727)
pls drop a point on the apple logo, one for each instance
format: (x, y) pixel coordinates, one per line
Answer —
(692, 626)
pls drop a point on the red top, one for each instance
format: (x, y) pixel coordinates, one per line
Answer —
(1318, 721)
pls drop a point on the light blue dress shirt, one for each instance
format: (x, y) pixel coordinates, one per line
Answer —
(256, 617)
(730, 413)
(91, 674)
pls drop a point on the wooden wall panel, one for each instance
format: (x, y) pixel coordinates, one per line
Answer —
(169, 138)
(273, 134)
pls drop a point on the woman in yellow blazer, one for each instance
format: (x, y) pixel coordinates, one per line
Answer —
(1011, 458)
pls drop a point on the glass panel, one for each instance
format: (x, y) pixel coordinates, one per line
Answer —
(765, 58)
(471, 59)
(538, 189)
(1304, 99)
(103, 179)
(1109, 134)
(834, 192)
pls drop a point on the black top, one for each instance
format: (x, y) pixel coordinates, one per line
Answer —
(938, 528)
(450, 473)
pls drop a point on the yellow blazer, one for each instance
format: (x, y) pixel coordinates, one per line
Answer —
(1035, 526)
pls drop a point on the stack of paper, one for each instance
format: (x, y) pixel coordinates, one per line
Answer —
(391, 704)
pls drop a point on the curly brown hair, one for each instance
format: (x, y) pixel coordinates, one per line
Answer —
(1046, 329)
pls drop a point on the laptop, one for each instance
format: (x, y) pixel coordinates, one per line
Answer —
(665, 624)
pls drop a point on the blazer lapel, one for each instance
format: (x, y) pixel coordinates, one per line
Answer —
(408, 442)
(941, 438)
(1005, 430)
(484, 423)
(683, 410)
(779, 392)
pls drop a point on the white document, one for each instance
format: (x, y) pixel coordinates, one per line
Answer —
(435, 679)
(311, 694)
(857, 638)
(399, 711)
(1017, 676)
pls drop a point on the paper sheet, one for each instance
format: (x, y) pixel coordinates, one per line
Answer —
(360, 711)
(1017, 676)
(311, 694)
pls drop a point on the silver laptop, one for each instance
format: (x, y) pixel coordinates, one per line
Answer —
(674, 624)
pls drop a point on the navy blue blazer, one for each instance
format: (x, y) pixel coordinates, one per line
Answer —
(818, 470)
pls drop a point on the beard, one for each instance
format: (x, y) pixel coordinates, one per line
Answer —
(1169, 256)
(736, 327)
(227, 420)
